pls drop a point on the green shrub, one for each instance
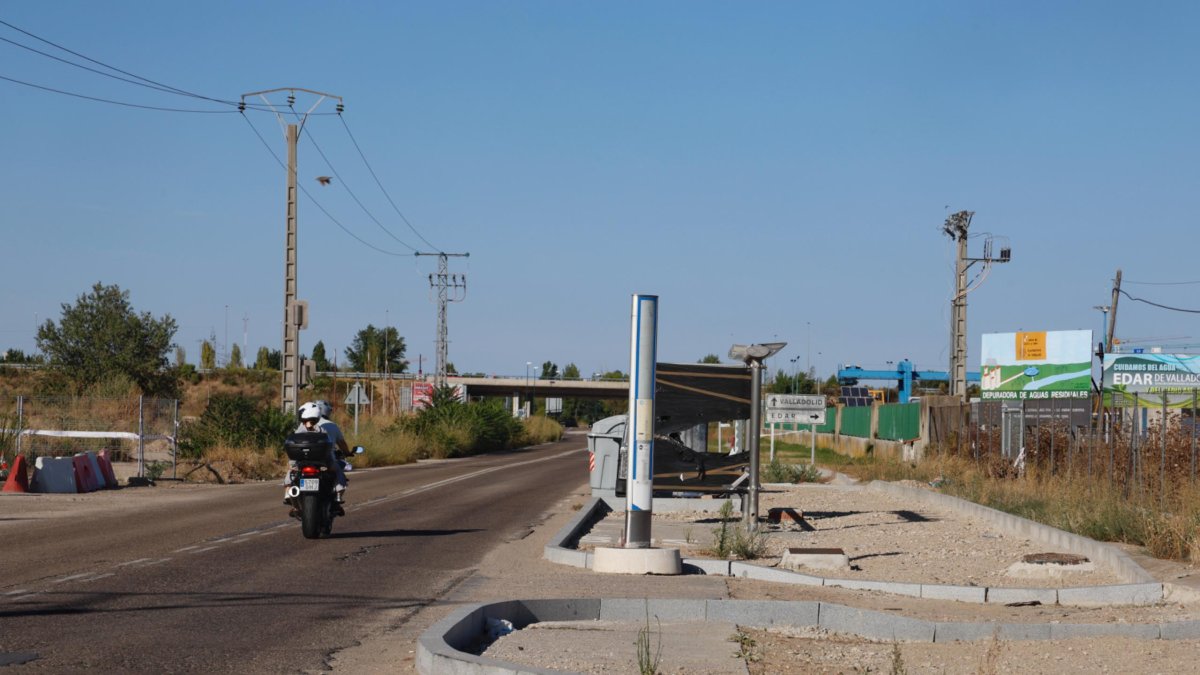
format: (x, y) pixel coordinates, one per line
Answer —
(779, 472)
(235, 421)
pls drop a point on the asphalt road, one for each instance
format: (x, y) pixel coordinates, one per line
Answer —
(223, 581)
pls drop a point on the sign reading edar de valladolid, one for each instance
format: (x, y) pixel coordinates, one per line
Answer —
(1036, 365)
(1150, 377)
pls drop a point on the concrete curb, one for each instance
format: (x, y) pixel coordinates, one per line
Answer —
(1142, 588)
(447, 645)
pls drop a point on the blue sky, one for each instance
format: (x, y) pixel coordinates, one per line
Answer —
(773, 171)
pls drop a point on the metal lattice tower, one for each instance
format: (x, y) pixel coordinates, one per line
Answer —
(445, 282)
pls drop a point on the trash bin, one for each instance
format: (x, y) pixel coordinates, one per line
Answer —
(604, 442)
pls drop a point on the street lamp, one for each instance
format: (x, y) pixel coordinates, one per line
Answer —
(753, 356)
(1103, 324)
(796, 374)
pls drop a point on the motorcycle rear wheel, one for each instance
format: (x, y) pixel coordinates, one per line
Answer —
(312, 516)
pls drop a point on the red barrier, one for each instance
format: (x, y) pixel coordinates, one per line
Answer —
(18, 478)
(84, 480)
(106, 468)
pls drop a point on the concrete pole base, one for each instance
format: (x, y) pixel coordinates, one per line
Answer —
(637, 561)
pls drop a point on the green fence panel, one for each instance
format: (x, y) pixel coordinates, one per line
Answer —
(899, 421)
(830, 422)
(856, 421)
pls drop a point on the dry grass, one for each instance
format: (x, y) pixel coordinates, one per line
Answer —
(235, 465)
(539, 429)
(1165, 523)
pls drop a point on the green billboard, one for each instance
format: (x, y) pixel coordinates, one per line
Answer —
(1036, 365)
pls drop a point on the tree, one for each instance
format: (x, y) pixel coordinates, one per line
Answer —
(262, 361)
(373, 348)
(18, 356)
(208, 355)
(180, 356)
(570, 372)
(319, 357)
(710, 358)
(101, 335)
(549, 371)
(235, 357)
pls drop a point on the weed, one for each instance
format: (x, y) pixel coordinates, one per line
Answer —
(154, 470)
(779, 472)
(748, 649)
(647, 663)
(990, 664)
(897, 660)
(732, 539)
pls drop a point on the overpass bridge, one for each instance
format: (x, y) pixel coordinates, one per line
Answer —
(564, 388)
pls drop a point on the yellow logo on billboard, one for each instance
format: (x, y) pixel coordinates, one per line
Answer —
(1031, 346)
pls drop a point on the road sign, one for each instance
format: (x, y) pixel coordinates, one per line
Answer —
(795, 408)
(357, 395)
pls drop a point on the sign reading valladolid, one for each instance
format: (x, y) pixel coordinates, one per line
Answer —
(1036, 365)
(1150, 377)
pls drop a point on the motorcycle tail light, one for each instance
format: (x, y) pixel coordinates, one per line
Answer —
(309, 471)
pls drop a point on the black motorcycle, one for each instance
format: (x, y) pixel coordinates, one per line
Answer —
(311, 483)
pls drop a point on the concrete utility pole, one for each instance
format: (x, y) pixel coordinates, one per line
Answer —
(1112, 314)
(295, 312)
(956, 227)
(443, 281)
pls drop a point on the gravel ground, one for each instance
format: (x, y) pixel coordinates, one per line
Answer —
(887, 539)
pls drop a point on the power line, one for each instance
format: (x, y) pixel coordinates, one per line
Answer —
(114, 102)
(314, 200)
(380, 184)
(353, 196)
(1164, 283)
(1173, 309)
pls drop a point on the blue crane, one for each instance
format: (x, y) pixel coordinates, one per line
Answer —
(903, 375)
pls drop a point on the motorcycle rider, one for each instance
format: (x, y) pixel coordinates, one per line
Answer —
(314, 417)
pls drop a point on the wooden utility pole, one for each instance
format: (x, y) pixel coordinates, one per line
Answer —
(1112, 314)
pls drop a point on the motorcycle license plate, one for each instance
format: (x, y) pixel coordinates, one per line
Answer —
(310, 484)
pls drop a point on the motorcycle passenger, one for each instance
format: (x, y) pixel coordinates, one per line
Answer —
(313, 417)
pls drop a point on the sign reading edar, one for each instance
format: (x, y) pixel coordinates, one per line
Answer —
(1036, 365)
(795, 409)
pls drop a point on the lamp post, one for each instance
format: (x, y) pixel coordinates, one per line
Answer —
(528, 365)
(796, 378)
(753, 356)
(1103, 322)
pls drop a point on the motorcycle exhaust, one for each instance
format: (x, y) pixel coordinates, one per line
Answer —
(293, 491)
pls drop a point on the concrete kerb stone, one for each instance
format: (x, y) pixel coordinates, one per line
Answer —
(444, 647)
(560, 550)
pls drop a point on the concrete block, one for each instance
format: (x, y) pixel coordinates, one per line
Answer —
(636, 561)
(1103, 596)
(565, 556)
(959, 593)
(898, 588)
(623, 609)
(54, 474)
(875, 625)
(676, 609)
(1004, 596)
(950, 631)
(1179, 630)
(1142, 631)
(764, 613)
(741, 569)
(569, 609)
(816, 558)
(708, 566)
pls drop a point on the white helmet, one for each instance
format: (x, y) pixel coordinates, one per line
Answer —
(324, 407)
(309, 411)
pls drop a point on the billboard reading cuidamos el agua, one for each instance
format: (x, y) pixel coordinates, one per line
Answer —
(1036, 365)
(1147, 378)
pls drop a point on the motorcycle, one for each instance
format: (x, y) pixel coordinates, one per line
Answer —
(311, 482)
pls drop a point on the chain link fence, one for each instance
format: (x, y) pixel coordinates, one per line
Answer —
(134, 429)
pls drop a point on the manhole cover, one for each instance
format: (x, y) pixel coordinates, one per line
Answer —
(1054, 559)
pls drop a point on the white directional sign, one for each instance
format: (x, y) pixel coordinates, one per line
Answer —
(357, 395)
(795, 409)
